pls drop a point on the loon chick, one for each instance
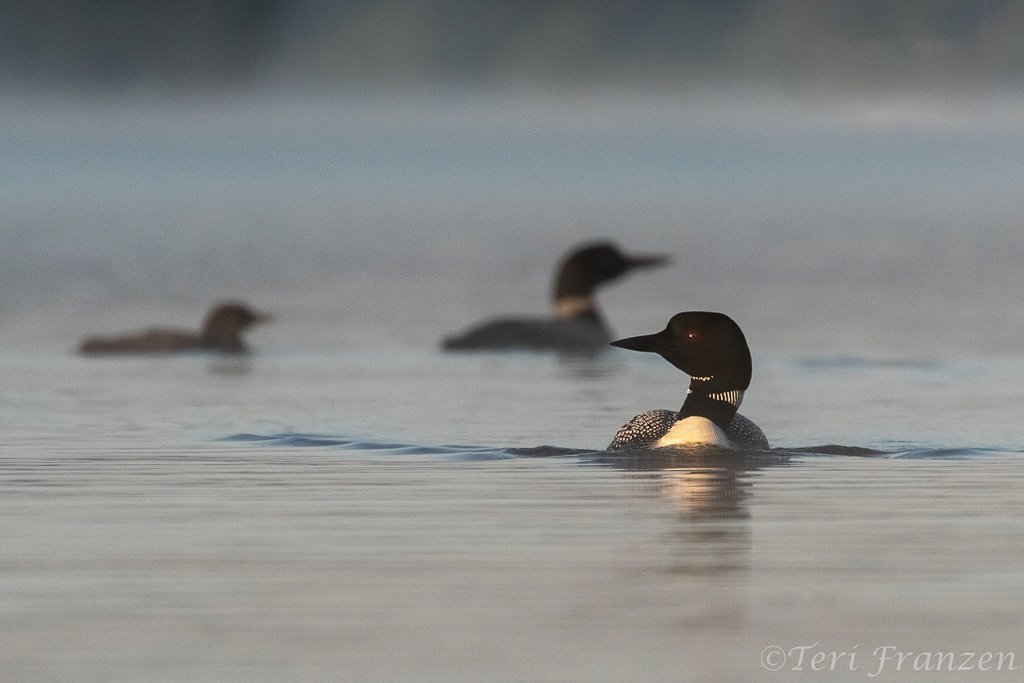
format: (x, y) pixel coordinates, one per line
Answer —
(222, 331)
(576, 325)
(711, 348)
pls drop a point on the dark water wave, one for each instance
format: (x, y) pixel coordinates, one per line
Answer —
(837, 449)
(923, 453)
(292, 440)
(659, 457)
(950, 453)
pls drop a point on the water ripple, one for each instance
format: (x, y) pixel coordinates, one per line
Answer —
(948, 453)
(292, 440)
(468, 452)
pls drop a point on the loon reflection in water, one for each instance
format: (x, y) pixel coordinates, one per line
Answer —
(577, 325)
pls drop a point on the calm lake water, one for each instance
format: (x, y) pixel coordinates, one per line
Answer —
(367, 514)
(351, 504)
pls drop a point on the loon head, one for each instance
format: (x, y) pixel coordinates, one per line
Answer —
(589, 266)
(710, 347)
(225, 323)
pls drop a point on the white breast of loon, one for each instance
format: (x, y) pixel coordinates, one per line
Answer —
(695, 430)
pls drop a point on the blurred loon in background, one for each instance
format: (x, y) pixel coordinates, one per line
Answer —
(711, 348)
(577, 325)
(222, 332)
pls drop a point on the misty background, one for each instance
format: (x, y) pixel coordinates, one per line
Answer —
(841, 177)
(797, 43)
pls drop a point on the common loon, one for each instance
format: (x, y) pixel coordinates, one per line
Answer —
(576, 325)
(222, 331)
(711, 348)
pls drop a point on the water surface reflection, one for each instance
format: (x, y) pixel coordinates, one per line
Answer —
(709, 491)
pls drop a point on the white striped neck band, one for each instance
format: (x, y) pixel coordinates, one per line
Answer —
(733, 396)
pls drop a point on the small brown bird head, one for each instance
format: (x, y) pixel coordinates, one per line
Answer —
(226, 322)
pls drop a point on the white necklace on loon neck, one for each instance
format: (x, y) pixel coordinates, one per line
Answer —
(733, 396)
